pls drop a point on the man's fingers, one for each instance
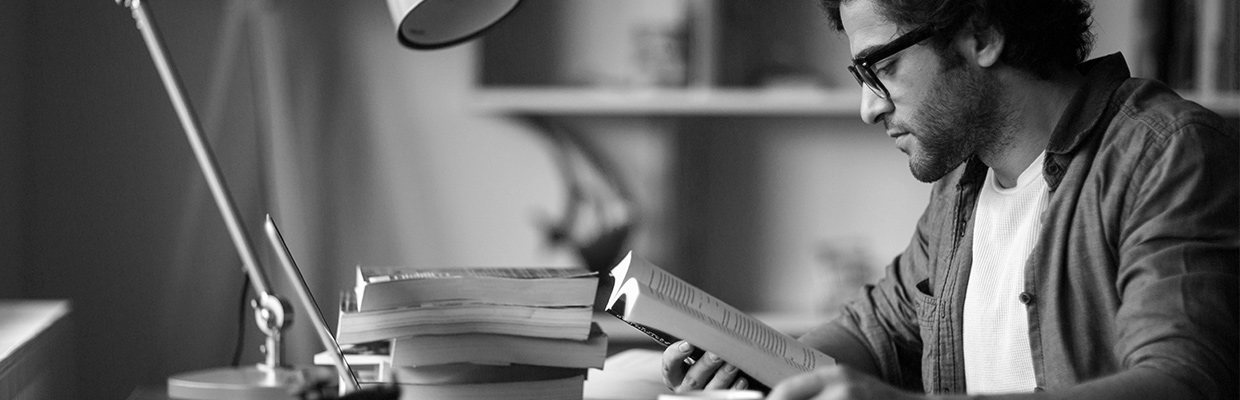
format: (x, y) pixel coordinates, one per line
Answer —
(674, 366)
(725, 376)
(802, 386)
(700, 373)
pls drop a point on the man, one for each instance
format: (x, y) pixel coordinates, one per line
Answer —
(1082, 238)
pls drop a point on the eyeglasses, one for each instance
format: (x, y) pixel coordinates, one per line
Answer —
(862, 68)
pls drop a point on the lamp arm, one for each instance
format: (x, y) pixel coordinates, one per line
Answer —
(272, 313)
(202, 150)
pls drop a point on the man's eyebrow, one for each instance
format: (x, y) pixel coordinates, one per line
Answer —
(867, 51)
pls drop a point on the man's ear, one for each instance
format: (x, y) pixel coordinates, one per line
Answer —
(983, 46)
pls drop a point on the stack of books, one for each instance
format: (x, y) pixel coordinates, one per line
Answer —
(473, 333)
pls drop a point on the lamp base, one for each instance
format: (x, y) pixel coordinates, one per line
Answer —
(240, 383)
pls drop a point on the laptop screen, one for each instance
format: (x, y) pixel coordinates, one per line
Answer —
(312, 308)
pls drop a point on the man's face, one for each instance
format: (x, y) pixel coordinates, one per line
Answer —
(941, 110)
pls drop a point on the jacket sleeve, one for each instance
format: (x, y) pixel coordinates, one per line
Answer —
(1179, 252)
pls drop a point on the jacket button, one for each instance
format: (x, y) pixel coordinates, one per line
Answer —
(1025, 297)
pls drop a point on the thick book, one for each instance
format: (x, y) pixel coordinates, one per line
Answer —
(569, 388)
(500, 350)
(569, 323)
(669, 309)
(376, 368)
(467, 373)
(479, 348)
(380, 288)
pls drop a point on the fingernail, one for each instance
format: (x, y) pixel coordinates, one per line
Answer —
(741, 384)
(714, 357)
(685, 346)
(729, 368)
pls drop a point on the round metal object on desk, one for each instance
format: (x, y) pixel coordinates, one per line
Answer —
(242, 383)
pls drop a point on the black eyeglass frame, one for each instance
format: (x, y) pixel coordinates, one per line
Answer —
(862, 68)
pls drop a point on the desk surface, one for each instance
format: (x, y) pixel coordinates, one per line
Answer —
(22, 321)
(34, 360)
(628, 375)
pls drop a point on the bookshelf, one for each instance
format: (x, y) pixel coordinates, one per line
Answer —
(704, 102)
(666, 58)
(728, 58)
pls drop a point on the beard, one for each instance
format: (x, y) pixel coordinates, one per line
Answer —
(960, 117)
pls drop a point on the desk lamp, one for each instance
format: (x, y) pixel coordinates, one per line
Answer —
(421, 24)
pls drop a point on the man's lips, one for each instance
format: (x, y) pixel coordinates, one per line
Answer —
(902, 140)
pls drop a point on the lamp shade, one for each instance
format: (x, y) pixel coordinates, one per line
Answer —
(433, 24)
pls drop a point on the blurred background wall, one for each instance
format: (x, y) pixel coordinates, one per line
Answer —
(369, 153)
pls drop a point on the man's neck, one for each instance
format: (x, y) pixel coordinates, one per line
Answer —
(1037, 106)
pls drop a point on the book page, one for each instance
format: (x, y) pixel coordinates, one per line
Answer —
(636, 278)
(369, 274)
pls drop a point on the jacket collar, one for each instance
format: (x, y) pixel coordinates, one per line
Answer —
(1102, 77)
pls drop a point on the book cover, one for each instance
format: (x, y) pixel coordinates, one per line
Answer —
(570, 323)
(668, 309)
(380, 288)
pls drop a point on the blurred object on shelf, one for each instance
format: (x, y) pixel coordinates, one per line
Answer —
(599, 212)
(844, 267)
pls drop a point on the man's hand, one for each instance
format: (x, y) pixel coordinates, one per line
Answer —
(833, 383)
(707, 372)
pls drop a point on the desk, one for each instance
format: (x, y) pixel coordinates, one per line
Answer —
(35, 356)
(629, 375)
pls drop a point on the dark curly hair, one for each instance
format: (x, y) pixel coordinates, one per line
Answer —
(1040, 36)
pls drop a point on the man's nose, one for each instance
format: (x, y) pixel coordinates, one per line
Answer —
(873, 107)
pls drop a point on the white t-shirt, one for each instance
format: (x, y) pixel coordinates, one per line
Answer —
(997, 356)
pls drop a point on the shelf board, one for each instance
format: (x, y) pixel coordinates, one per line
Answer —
(1226, 104)
(667, 102)
(672, 102)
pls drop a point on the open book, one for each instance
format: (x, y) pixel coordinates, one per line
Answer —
(666, 308)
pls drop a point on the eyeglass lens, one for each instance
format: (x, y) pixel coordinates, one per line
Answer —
(865, 77)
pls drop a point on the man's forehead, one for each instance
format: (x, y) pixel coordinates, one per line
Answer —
(865, 27)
